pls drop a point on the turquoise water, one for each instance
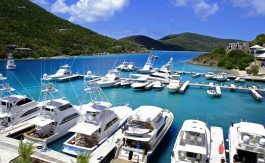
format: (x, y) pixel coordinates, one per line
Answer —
(193, 104)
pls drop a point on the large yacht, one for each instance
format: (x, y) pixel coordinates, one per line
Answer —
(129, 67)
(10, 65)
(174, 84)
(144, 130)
(64, 71)
(56, 117)
(99, 121)
(148, 65)
(192, 143)
(140, 83)
(112, 77)
(246, 142)
(122, 65)
(14, 108)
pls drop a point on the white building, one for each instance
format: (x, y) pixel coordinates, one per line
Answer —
(256, 50)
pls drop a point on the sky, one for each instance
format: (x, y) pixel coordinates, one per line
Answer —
(234, 19)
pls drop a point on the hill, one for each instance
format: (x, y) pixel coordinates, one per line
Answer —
(26, 25)
(150, 43)
(184, 41)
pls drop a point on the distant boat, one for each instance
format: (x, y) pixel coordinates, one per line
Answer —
(158, 85)
(112, 77)
(129, 67)
(10, 65)
(148, 65)
(174, 84)
(211, 92)
(221, 77)
(209, 75)
(140, 83)
(64, 71)
(122, 66)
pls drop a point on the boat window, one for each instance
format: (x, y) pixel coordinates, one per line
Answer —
(161, 128)
(24, 101)
(64, 107)
(190, 154)
(30, 112)
(69, 118)
(111, 123)
(3, 103)
(47, 109)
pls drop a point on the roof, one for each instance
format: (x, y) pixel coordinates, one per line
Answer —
(13, 98)
(256, 47)
(41, 121)
(261, 55)
(252, 128)
(194, 125)
(146, 112)
(84, 128)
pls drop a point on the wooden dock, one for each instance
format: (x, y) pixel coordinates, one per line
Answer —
(217, 145)
(184, 86)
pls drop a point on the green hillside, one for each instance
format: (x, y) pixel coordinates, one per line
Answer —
(26, 25)
(196, 42)
(150, 43)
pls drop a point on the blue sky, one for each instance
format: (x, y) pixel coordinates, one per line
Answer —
(237, 19)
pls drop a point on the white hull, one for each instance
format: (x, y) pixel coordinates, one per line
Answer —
(10, 67)
(144, 71)
(105, 84)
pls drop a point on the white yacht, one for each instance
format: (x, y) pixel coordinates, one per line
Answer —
(140, 83)
(209, 75)
(125, 83)
(64, 71)
(129, 67)
(14, 108)
(56, 117)
(148, 65)
(144, 130)
(174, 84)
(158, 85)
(246, 142)
(212, 92)
(192, 143)
(99, 121)
(112, 77)
(122, 66)
(10, 65)
(221, 77)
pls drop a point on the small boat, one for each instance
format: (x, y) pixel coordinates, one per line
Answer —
(209, 75)
(112, 77)
(129, 67)
(56, 116)
(140, 83)
(192, 143)
(246, 142)
(196, 75)
(122, 66)
(212, 92)
(221, 77)
(64, 71)
(14, 108)
(174, 84)
(144, 130)
(148, 65)
(90, 76)
(99, 121)
(125, 83)
(158, 85)
(10, 65)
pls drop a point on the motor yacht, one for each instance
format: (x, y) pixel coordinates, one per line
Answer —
(98, 121)
(144, 130)
(64, 71)
(140, 83)
(14, 108)
(56, 117)
(209, 75)
(125, 83)
(148, 65)
(246, 142)
(129, 67)
(112, 77)
(10, 65)
(221, 77)
(192, 143)
(212, 92)
(174, 84)
(158, 85)
(122, 66)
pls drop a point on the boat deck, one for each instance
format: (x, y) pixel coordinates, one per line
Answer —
(217, 152)
(105, 148)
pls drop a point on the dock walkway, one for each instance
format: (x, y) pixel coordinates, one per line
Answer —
(217, 145)
(74, 76)
(184, 86)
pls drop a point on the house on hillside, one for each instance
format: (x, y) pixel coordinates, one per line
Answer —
(238, 46)
(256, 50)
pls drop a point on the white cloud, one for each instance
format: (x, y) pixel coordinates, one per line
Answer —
(254, 7)
(200, 7)
(89, 10)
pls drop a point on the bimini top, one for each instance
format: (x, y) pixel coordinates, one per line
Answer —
(84, 128)
(252, 128)
(41, 121)
(194, 126)
(146, 113)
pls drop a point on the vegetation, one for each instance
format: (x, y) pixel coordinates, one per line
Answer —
(27, 25)
(235, 59)
(183, 41)
(254, 69)
(83, 158)
(24, 151)
(260, 40)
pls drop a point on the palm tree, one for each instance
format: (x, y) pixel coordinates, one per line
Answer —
(24, 151)
(83, 158)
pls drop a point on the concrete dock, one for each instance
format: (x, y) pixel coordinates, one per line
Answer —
(256, 94)
(217, 145)
(72, 77)
(218, 91)
(184, 86)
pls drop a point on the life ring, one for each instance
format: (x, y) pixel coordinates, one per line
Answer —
(221, 148)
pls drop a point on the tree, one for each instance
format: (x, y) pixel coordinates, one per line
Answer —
(24, 151)
(83, 158)
(254, 69)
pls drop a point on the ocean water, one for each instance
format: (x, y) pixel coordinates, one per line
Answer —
(193, 104)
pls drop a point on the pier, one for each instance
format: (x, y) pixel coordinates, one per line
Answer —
(72, 77)
(256, 94)
(184, 86)
(218, 91)
(217, 145)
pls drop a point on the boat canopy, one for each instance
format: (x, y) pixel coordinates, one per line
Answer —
(252, 128)
(41, 121)
(84, 128)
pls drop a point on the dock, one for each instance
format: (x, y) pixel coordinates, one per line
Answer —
(218, 91)
(184, 86)
(107, 148)
(72, 77)
(256, 94)
(9, 147)
(233, 87)
(217, 145)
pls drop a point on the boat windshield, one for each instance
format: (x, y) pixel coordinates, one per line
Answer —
(141, 124)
